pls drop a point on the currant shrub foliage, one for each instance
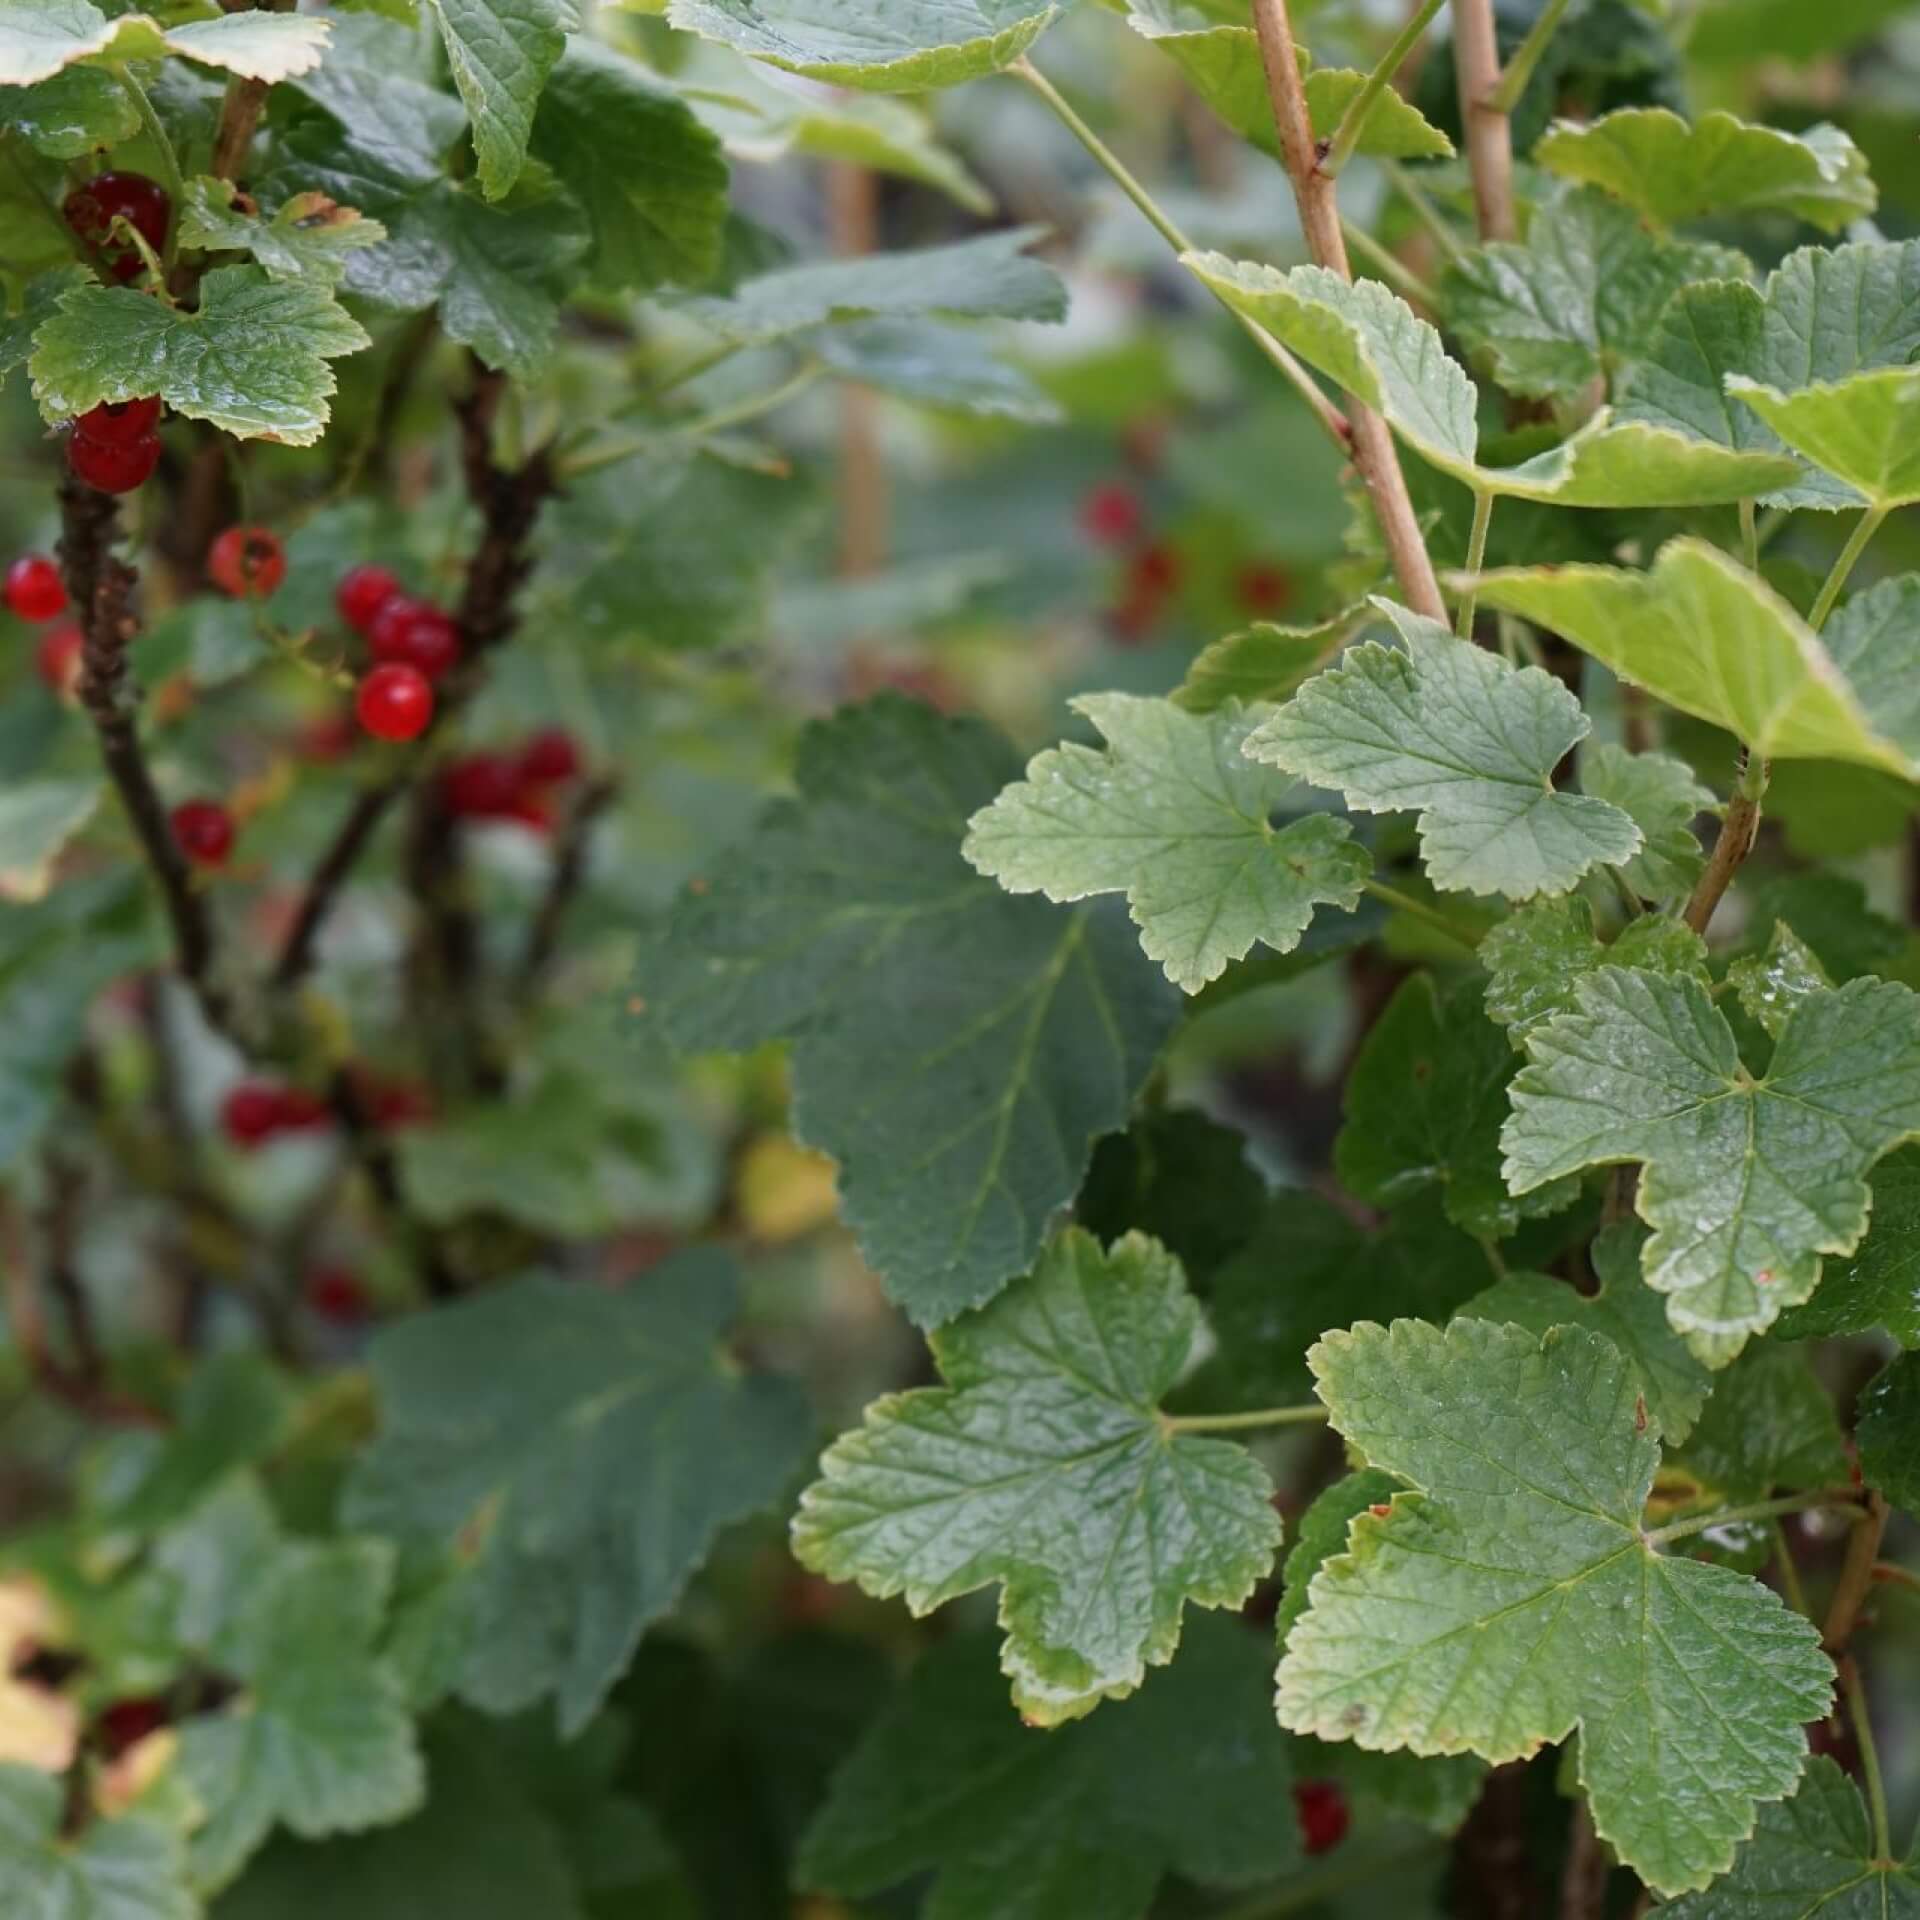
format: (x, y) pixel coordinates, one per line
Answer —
(580, 1146)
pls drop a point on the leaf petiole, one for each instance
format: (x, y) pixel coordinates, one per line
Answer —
(1863, 531)
(1307, 1415)
(170, 175)
(1346, 136)
(1756, 1510)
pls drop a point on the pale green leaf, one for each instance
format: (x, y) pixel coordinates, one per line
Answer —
(1747, 1182)
(955, 1049)
(1673, 170)
(1773, 983)
(1704, 635)
(252, 360)
(1190, 1777)
(37, 819)
(1662, 798)
(132, 1868)
(1878, 1285)
(1743, 31)
(907, 47)
(1513, 1598)
(1812, 1858)
(40, 37)
(952, 368)
(1450, 731)
(1864, 430)
(1874, 639)
(1044, 1465)
(1770, 1425)
(1534, 957)
(1264, 661)
(501, 52)
(580, 1449)
(1171, 814)
(1888, 1430)
(307, 238)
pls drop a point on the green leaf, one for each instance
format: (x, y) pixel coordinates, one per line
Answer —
(1772, 984)
(79, 110)
(1367, 340)
(1579, 300)
(1322, 1536)
(1769, 1425)
(40, 37)
(1172, 815)
(37, 819)
(308, 238)
(501, 52)
(1673, 170)
(919, 44)
(252, 360)
(1513, 1597)
(989, 276)
(1887, 1428)
(954, 368)
(43, 296)
(1747, 1181)
(1424, 1104)
(321, 1740)
(1625, 1311)
(133, 1868)
(1879, 1284)
(1448, 730)
(1861, 430)
(1190, 1777)
(1264, 661)
(1739, 31)
(1813, 1856)
(651, 178)
(1045, 1465)
(955, 1049)
(1875, 642)
(581, 1449)
(1662, 798)
(1704, 635)
(1535, 957)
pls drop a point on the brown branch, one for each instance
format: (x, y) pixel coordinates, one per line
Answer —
(241, 109)
(569, 870)
(376, 1160)
(1856, 1575)
(1374, 455)
(448, 972)
(100, 585)
(330, 875)
(1487, 131)
(1739, 828)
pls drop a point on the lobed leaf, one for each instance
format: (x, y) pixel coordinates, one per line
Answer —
(306, 238)
(1861, 430)
(130, 1868)
(1536, 957)
(38, 38)
(500, 53)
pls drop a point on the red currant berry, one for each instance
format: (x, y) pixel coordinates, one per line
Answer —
(34, 589)
(362, 592)
(1156, 570)
(57, 658)
(203, 830)
(550, 759)
(414, 633)
(250, 1114)
(531, 809)
(143, 203)
(1111, 516)
(120, 423)
(247, 562)
(298, 1111)
(481, 786)
(327, 738)
(1321, 1808)
(394, 702)
(337, 1296)
(126, 1723)
(1263, 590)
(113, 469)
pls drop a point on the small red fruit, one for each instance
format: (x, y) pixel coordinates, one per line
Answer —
(1112, 516)
(57, 657)
(299, 1111)
(394, 702)
(142, 203)
(1155, 570)
(203, 829)
(34, 589)
(414, 633)
(1263, 590)
(113, 469)
(336, 1295)
(326, 738)
(362, 592)
(550, 759)
(247, 562)
(1321, 1808)
(126, 1723)
(481, 786)
(120, 423)
(250, 1114)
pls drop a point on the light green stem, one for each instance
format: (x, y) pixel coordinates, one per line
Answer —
(1428, 214)
(1863, 531)
(1346, 136)
(1388, 264)
(1869, 1757)
(1758, 1510)
(170, 175)
(1526, 56)
(1431, 916)
(718, 421)
(1476, 559)
(1238, 1422)
(1750, 536)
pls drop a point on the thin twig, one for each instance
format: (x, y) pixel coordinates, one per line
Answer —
(375, 1157)
(569, 870)
(1854, 1688)
(1374, 454)
(1739, 828)
(1856, 1575)
(1311, 1414)
(1857, 541)
(241, 109)
(330, 875)
(1484, 124)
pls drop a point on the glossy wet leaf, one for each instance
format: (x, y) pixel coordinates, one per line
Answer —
(1878, 1284)
(73, 112)
(306, 238)
(1510, 1598)
(1534, 957)
(1772, 983)
(1043, 1465)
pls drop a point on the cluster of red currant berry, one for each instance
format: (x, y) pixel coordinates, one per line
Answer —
(114, 447)
(413, 644)
(515, 784)
(34, 592)
(256, 1111)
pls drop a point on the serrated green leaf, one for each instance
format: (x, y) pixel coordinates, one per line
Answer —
(1769, 1425)
(132, 1868)
(1772, 984)
(1861, 430)
(1812, 1856)
(1535, 956)
(1445, 729)
(1673, 170)
(1367, 340)
(1579, 300)
(43, 295)
(307, 238)
(1878, 1285)
(513, 1430)
(1625, 1311)
(1887, 1427)
(1875, 641)
(1172, 815)
(1747, 1181)
(920, 44)
(501, 52)
(321, 1741)
(954, 368)
(651, 178)
(1077, 1825)
(40, 37)
(1662, 798)
(963, 1095)
(1045, 1465)
(1704, 635)
(252, 360)
(1424, 1104)
(1323, 1535)
(1264, 661)
(1513, 1597)
(77, 111)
